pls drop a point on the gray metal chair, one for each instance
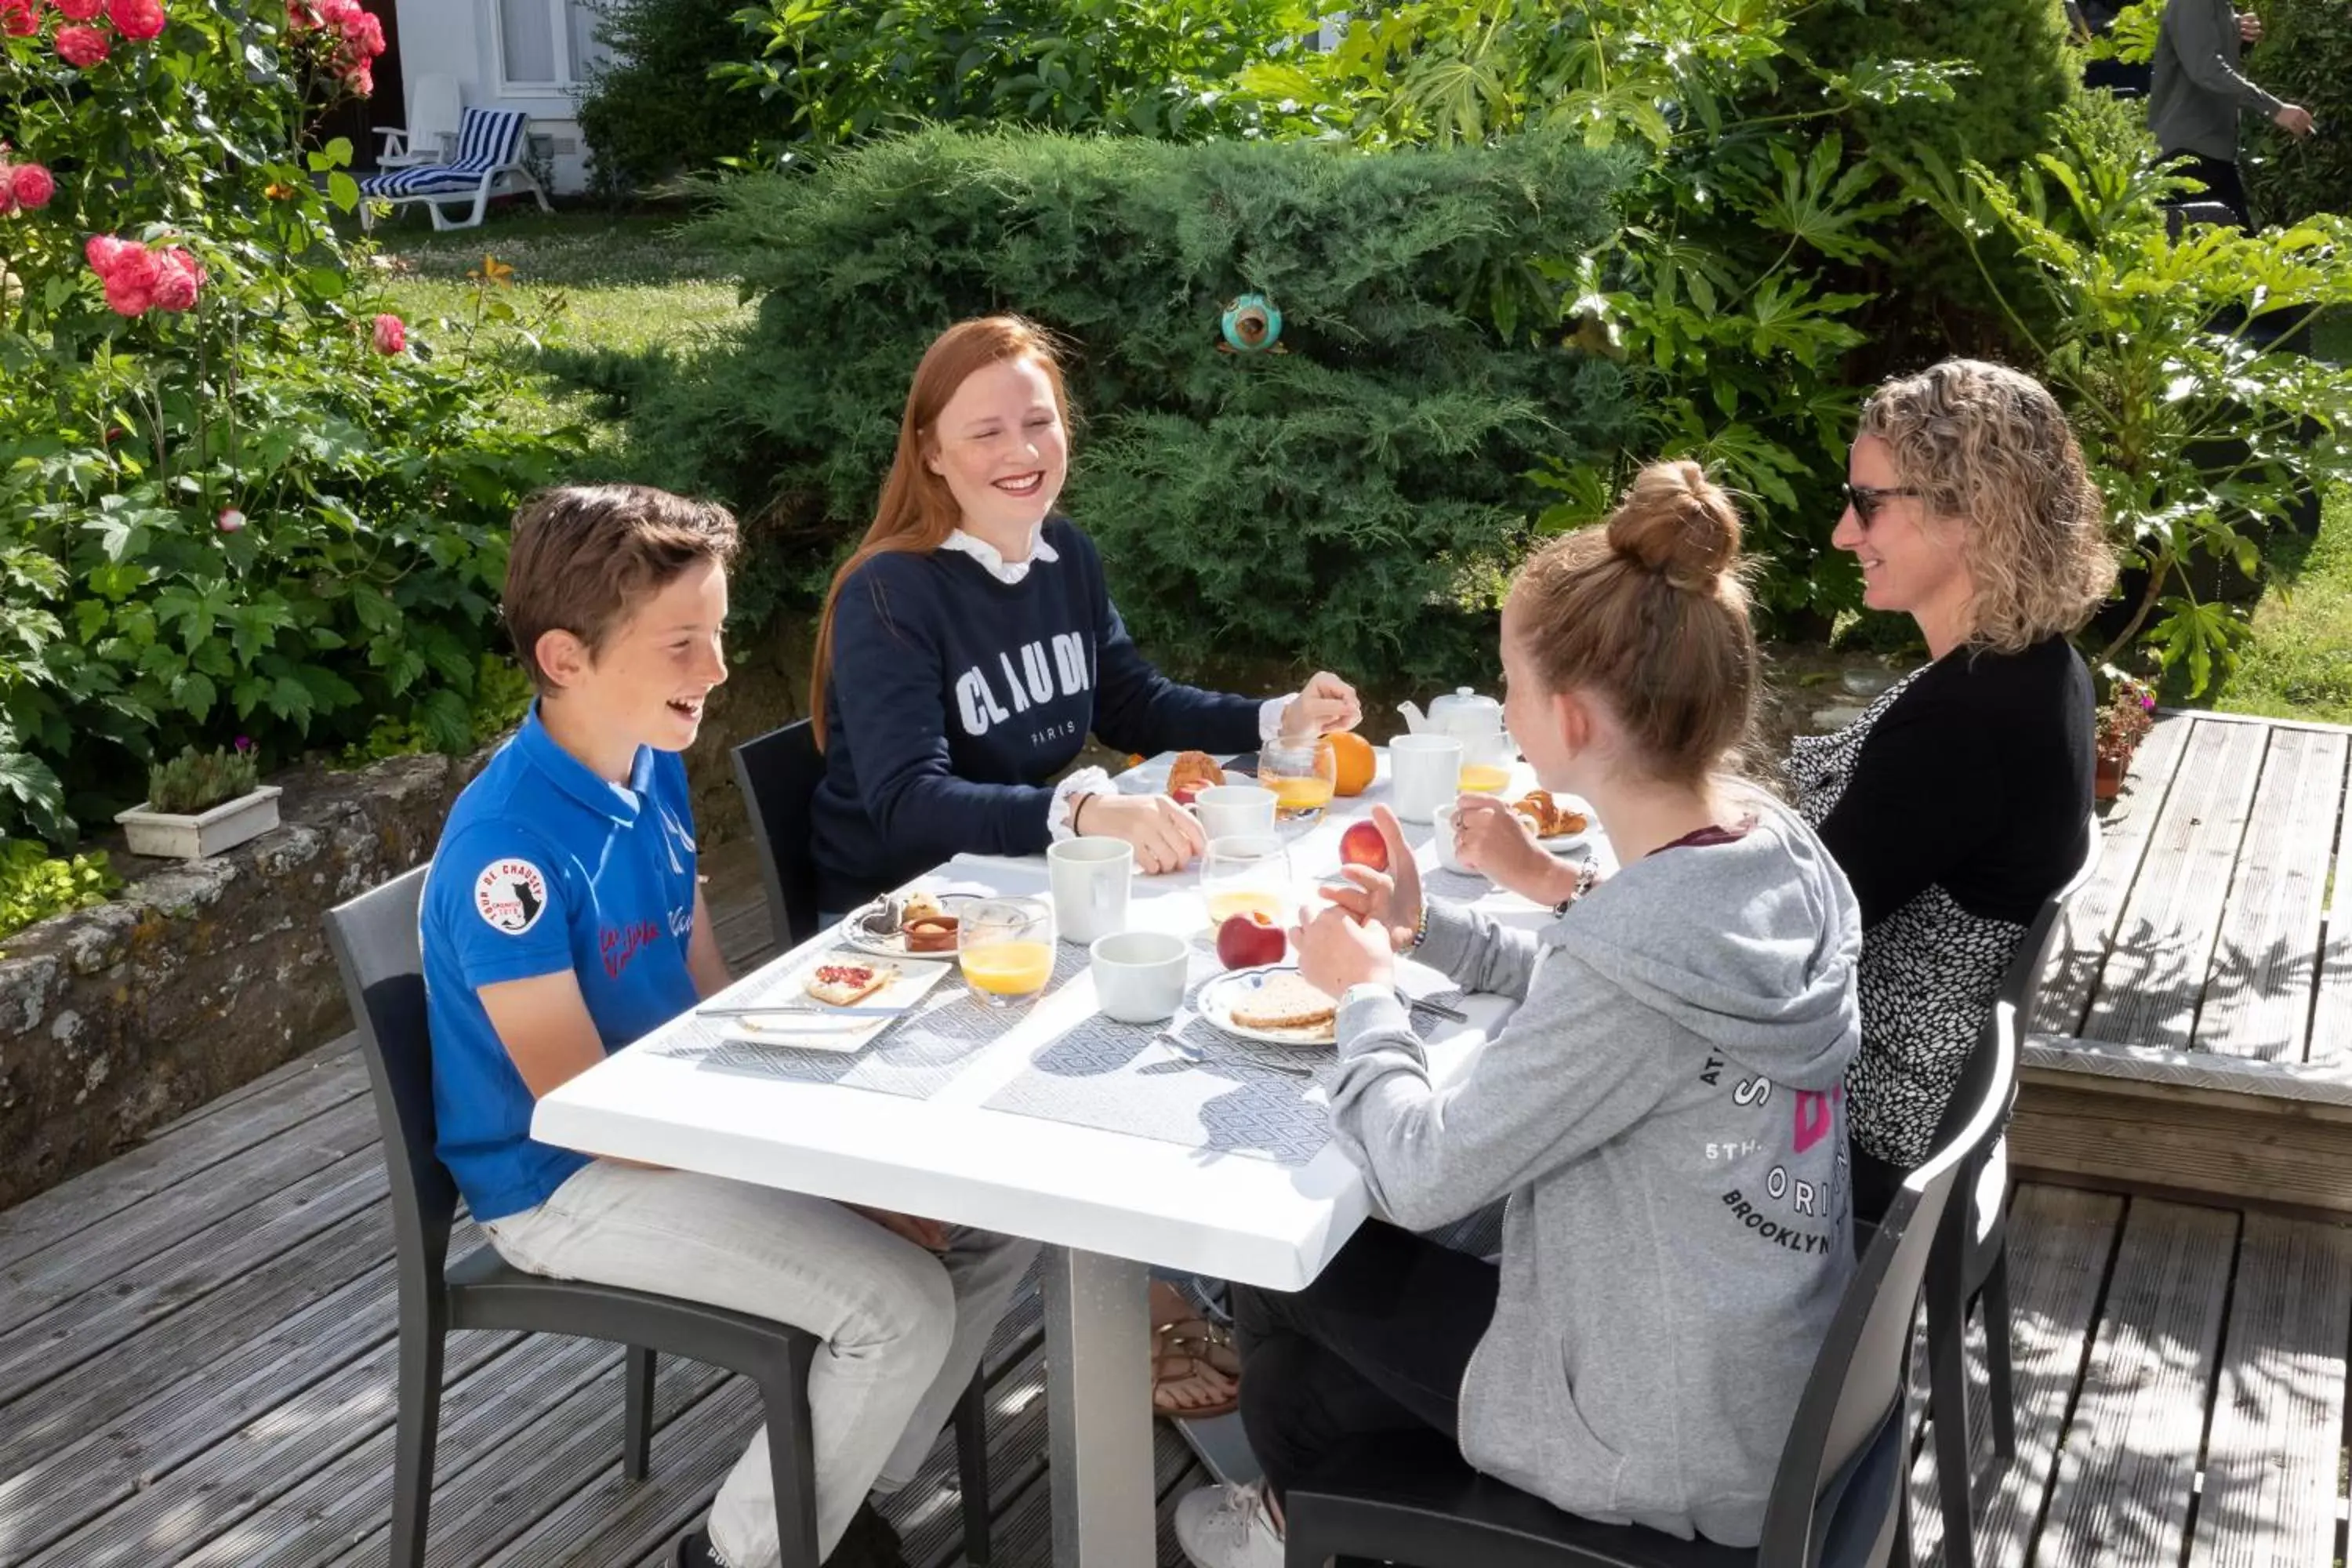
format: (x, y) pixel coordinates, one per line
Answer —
(1970, 1262)
(1836, 1499)
(375, 938)
(777, 772)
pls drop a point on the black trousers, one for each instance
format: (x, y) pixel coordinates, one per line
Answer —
(2221, 180)
(1377, 1344)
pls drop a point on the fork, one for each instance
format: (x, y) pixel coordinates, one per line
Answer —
(1185, 1050)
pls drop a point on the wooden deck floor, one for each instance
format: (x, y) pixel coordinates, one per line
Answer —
(2195, 1025)
(196, 1367)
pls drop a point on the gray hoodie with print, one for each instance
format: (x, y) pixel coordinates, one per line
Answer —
(1666, 1115)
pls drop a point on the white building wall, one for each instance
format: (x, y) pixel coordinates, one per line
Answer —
(469, 40)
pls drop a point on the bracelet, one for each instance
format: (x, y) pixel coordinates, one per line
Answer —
(1419, 926)
(1587, 876)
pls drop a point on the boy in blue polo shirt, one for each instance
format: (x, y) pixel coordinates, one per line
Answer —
(561, 921)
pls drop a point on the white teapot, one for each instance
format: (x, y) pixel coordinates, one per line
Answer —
(1462, 713)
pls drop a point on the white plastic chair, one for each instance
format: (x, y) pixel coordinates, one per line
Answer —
(488, 155)
(430, 133)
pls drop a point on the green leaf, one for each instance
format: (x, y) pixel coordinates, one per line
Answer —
(343, 190)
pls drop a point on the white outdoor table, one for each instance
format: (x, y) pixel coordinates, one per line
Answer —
(1109, 1204)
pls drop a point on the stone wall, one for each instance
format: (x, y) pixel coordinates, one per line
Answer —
(199, 976)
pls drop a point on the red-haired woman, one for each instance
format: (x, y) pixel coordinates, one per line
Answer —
(967, 650)
(970, 644)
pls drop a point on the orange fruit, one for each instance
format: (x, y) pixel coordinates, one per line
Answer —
(1354, 754)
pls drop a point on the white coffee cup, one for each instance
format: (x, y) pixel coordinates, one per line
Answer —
(1090, 878)
(1234, 810)
(1443, 818)
(1140, 976)
(1425, 772)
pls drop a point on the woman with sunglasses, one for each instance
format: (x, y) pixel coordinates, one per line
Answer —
(1961, 799)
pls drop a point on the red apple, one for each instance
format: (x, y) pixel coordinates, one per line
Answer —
(1186, 795)
(1244, 941)
(1363, 845)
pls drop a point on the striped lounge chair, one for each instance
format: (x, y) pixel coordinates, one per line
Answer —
(489, 153)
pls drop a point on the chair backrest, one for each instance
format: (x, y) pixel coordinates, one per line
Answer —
(778, 773)
(436, 115)
(376, 946)
(1843, 1473)
(489, 137)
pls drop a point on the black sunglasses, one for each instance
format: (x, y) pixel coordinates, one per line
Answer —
(1865, 500)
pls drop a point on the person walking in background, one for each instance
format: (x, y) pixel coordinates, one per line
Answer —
(2198, 92)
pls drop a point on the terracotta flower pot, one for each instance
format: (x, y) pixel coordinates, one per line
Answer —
(2109, 781)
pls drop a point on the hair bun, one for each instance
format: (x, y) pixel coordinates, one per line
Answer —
(1678, 523)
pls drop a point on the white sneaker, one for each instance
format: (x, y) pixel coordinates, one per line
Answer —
(1228, 1527)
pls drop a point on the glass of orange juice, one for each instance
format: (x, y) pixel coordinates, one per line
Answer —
(1303, 775)
(1246, 875)
(1487, 763)
(1006, 949)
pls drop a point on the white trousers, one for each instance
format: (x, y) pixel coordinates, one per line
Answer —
(903, 1327)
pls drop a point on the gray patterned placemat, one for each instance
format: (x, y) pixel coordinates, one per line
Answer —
(1116, 1077)
(915, 1057)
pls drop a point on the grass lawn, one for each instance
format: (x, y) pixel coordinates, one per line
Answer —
(581, 282)
(2297, 664)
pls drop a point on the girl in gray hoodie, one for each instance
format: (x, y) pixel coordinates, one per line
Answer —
(1663, 1112)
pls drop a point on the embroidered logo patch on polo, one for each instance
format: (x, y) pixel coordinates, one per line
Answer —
(510, 895)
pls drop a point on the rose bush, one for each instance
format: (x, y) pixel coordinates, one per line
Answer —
(225, 503)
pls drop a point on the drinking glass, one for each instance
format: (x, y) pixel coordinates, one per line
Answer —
(1006, 949)
(1302, 775)
(1487, 763)
(1248, 875)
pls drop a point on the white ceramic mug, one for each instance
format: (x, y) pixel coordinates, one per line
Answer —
(1140, 976)
(1425, 772)
(1443, 818)
(1234, 811)
(1090, 878)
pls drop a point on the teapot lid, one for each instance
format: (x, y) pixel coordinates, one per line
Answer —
(1462, 696)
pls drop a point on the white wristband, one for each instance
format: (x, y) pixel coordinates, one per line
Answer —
(1061, 817)
(1269, 718)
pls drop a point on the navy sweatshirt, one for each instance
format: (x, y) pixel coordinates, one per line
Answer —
(955, 698)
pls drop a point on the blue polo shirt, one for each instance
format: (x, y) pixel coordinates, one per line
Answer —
(544, 867)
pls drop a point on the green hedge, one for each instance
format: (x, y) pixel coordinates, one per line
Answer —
(1346, 500)
(2305, 57)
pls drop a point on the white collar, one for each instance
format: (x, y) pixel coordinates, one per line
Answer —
(998, 567)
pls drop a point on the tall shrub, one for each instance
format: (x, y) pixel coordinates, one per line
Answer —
(2305, 57)
(651, 109)
(1730, 284)
(234, 497)
(1344, 500)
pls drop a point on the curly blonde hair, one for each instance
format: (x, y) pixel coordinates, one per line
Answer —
(1989, 447)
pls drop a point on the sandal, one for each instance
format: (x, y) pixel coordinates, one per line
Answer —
(1191, 1350)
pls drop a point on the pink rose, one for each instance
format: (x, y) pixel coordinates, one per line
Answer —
(337, 13)
(32, 185)
(80, 10)
(390, 335)
(365, 34)
(178, 279)
(104, 251)
(82, 48)
(136, 19)
(126, 296)
(232, 520)
(19, 18)
(7, 195)
(363, 82)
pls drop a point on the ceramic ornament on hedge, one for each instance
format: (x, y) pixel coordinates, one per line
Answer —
(1253, 325)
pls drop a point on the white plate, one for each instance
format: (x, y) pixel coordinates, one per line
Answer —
(1218, 995)
(1567, 843)
(822, 1031)
(852, 934)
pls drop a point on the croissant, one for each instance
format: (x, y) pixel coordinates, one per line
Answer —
(1192, 772)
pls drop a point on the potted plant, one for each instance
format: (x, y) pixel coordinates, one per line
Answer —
(2124, 720)
(200, 804)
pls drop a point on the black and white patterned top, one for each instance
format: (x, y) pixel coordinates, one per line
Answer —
(1955, 804)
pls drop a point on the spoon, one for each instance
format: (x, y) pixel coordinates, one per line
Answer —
(1184, 1050)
